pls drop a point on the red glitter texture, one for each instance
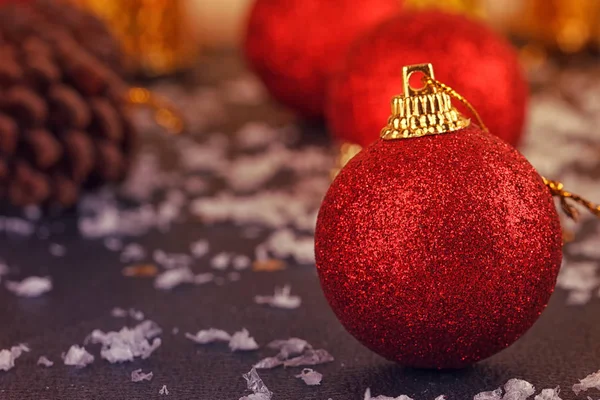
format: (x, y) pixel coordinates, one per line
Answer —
(295, 45)
(438, 251)
(466, 55)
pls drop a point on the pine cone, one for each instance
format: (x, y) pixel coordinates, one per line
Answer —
(64, 124)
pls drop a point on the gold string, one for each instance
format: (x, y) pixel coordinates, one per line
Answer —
(557, 190)
(429, 81)
(165, 114)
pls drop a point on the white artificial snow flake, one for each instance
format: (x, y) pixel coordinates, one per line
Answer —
(203, 278)
(310, 357)
(173, 260)
(57, 250)
(255, 135)
(269, 363)
(199, 248)
(493, 395)
(8, 357)
(136, 314)
(281, 299)
(113, 244)
(589, 382)
(210, 335)
(175, 331)
(549, 394)
(242, 341)
(241, 262)
(220, 261)
(139, 376)
(382, 397)
(290, 347)
(163, 390)
(43, 360)
(78, 357)
(518, 389)
(245, 90)
(16, 226)
(173, 277)
(118, 312)
(441, 397)
(234, 276)
(133, 252)
(285, 243)
(257, 386)
(128, 343)
(32, 286)
(310, 377)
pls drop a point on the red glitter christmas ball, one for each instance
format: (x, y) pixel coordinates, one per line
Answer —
(295, 45)
(438, 251)
(468, 56)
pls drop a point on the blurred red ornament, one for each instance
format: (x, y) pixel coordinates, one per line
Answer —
(468, 56)
(437, 250)
(295, 45)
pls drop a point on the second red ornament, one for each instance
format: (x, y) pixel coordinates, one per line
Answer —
(295, 45)
(468, 56)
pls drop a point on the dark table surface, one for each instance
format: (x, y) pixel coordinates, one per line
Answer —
(562, 347)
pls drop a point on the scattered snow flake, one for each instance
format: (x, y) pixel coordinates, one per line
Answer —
(257, 386)
(310, 377)
(133, 252)
(32, 286)
(242, 341)
(589, 382)
(173, 277)
(493, 395)
(57, 250)
(43, 360)
(209, 336)
(175, 331)
(118, 312)
(290, 347)
(549, 394)
(171, 260)
(136, 314)
(203, 278)
(518, 389)
(241, 262)
(268, 363)
(139, 376)
(382, 397)
(220, 261)
(285, 243)
(8, 357)
(16, 226)
(113, 244)
(163, 390)
(310, 357)
(441, 397)
(281, 299)
(199, 248)
(128, 343)
(78, 357)
(255, 135)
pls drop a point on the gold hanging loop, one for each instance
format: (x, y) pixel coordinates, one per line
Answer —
(430, 81)
(165, 114)
(557, 190)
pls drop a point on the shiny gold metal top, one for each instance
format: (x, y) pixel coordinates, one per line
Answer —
(424, 111)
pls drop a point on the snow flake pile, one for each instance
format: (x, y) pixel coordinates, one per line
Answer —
(8, 357)
(128, 343)
(33, 286)
(281, 299)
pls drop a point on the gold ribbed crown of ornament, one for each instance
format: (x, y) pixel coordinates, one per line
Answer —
(424, 111)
